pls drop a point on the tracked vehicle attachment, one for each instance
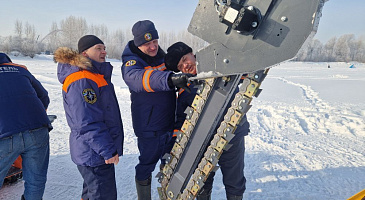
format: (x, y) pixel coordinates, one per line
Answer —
(246, 38)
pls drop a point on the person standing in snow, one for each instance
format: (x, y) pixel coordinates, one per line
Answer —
(93, 115)
(153, 99)
(180, 58)
(24, 126)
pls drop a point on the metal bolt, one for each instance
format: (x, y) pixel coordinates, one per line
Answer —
(254, 24)
(256, 76)
(250, 8)
(226, 60)
(284, 18)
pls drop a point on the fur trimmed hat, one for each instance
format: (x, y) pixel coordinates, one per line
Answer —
(88, 41)
(143, 32)
(174, 53)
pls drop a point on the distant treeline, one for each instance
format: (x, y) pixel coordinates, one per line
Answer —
(343, 49)
(67, 32)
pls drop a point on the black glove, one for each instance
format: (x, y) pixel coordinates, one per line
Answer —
(179, 81)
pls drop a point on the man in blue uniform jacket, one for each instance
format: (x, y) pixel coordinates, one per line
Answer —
(93, 115)
(180, 58)
(24, 126)
(153, 99)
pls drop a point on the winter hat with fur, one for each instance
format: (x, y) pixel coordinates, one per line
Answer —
(88, 41)
(143, 32)
(174, 53)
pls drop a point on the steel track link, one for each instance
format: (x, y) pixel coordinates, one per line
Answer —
(178, 183)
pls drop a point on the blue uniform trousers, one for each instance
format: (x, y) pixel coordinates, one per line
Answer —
(99, 182)
(232, 164)
(152, 147)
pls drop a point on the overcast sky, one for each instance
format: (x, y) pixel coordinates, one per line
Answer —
(339, 16)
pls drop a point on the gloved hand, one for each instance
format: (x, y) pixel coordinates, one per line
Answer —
(179, 81)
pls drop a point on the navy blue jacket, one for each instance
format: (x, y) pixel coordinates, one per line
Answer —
(153, 101)
(92, 113)
(185, 99)
(23, 99)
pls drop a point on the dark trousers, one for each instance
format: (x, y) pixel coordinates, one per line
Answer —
(232, 165)
(99, 182)
(152, 147)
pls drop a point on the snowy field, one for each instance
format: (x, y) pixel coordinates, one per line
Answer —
(306, 141)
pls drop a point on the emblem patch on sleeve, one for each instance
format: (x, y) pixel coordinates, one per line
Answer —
(130, 63)
(89, 95)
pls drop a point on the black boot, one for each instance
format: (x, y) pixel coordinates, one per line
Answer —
(204, 194)
(144, 189)
(233, 197)
(24, 198)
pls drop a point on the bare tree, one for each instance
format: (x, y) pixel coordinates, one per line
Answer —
(29, 43)
(73, 28)
(115, 44)
(18, 28)
(328, 52)
(99, 30)
(342, 48)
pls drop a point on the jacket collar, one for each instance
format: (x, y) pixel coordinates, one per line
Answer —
(103, 68)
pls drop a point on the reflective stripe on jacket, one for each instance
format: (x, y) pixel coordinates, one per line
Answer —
(92, 113)
(153, 101)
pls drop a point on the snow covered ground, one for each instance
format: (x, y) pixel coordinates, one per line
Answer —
(306, 141)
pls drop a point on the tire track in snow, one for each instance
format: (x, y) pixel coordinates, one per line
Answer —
(302, 144)
(322, 116)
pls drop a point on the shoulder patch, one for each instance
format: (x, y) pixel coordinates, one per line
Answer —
(89, 95)
(130, 63)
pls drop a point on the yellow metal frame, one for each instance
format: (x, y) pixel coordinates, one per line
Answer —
(358, 196)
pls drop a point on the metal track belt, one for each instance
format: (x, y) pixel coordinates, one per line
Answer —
(206, 133)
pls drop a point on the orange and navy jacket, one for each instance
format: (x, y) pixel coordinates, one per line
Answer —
(152, 100)
(23, 99)
(92, 113)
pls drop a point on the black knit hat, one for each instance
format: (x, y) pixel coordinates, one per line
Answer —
(143, 32)
(88, 41)
(174, 53)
